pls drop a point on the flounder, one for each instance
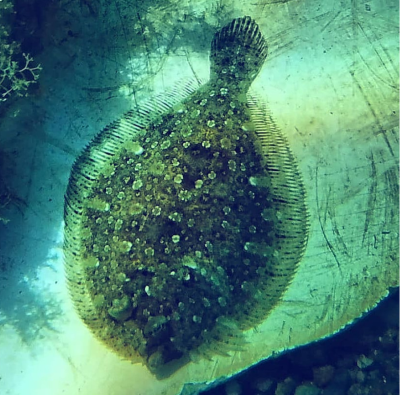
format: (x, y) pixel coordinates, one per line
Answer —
(185, 220)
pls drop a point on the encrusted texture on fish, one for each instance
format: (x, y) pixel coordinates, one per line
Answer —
(185, 220)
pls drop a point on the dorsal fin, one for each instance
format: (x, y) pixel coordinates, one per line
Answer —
(289, 195)
(286, 180)
(86, 170)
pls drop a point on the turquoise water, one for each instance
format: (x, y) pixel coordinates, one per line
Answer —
(331, 81)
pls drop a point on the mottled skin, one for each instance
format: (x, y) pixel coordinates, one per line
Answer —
(183, 230)
(179, 215)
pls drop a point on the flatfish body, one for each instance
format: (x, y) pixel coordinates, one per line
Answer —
(186, 219)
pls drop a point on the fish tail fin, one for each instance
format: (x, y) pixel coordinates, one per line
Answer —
(238, 52)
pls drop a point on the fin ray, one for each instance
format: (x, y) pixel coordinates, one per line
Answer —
(238, 52)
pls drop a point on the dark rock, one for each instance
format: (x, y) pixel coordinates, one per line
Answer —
(390, 339)
(364, 362)
(360, 376)
(264, 386)
(286, 387)
(307, 389)
(323, 375)
(358, 389)
(340, 383)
